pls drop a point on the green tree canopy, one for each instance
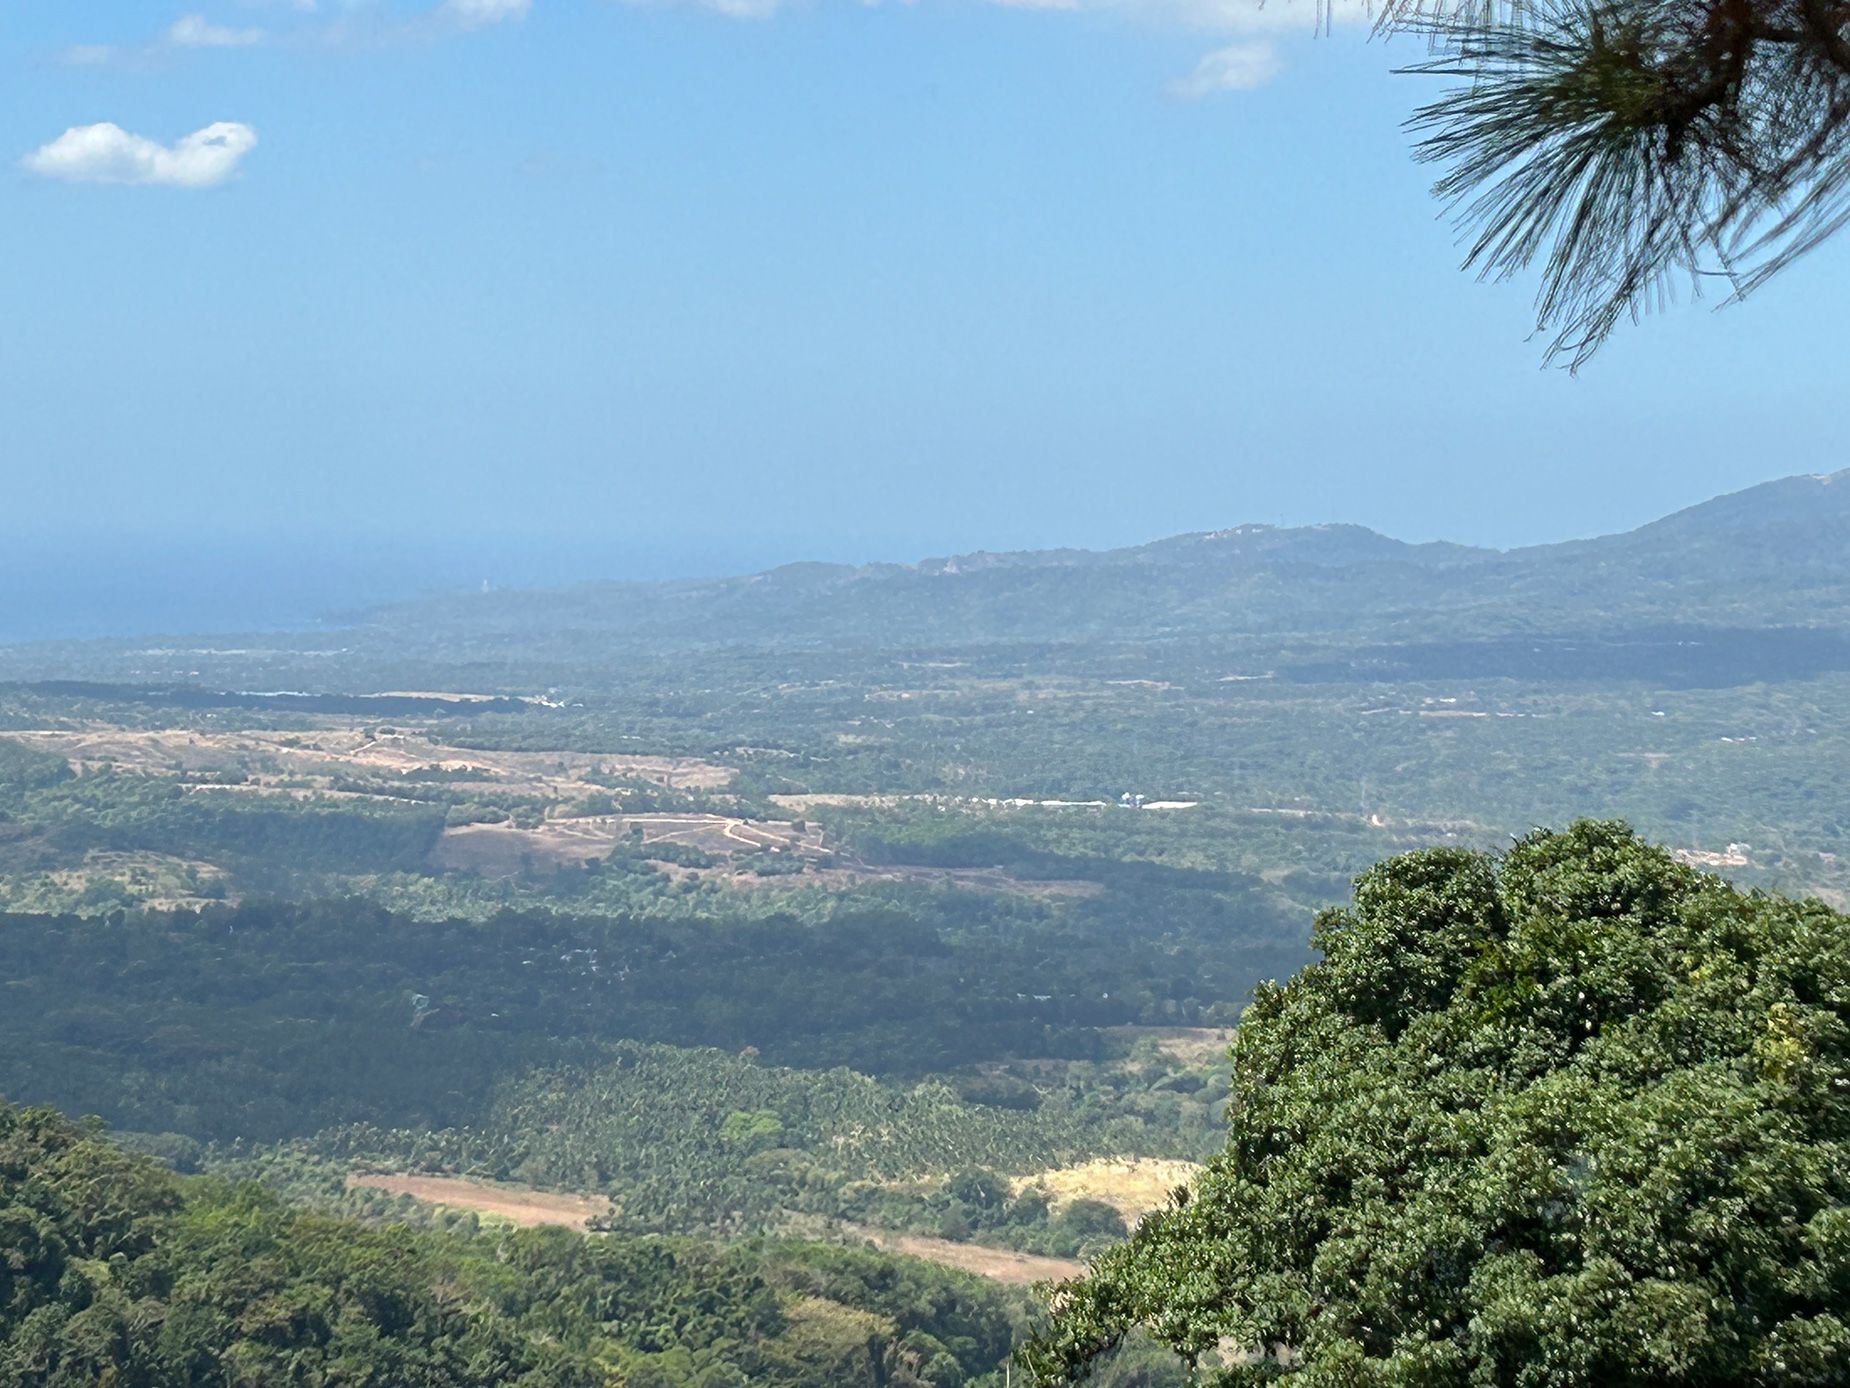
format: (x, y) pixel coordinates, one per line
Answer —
(1628, 144)
(1575, 1116)
(116, 1272)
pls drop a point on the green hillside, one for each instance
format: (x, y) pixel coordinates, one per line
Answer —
(114, 1271)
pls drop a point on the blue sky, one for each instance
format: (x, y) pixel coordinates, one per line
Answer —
(659, 286)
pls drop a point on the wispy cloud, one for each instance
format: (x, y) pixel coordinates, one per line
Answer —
(1249, 32)
(106, 153)
(320, 23)
(188, 31)
(1239, 67)
(196, 31)
(90, 54)
(479, 14)
(731, 9)
(1249, 29)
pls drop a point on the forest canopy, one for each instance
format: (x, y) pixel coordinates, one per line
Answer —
(1576, 1115)
(116, 1271)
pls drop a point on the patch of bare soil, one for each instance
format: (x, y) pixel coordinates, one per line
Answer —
(527, 1208)
(532, 1208)
(1735, 856)
(1134, 1186)
(997, 1264)
(502, 848)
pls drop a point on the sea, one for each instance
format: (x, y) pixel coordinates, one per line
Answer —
(92, 586)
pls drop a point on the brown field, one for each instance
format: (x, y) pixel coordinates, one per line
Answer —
(1134, 1186)
(997, 1264)
(349, 748)
(527, 1208)
(532, 1208)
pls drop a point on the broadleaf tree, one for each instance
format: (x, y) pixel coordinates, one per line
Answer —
(1575, 1117)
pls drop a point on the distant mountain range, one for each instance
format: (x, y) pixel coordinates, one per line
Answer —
(1774, 555)
(1749, 586)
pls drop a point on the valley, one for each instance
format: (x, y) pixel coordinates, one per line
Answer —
(904, 911)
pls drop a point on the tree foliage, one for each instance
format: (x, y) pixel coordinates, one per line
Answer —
(114, 1271)
(1576, 1116)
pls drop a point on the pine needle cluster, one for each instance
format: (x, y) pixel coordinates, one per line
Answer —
(1634, 146)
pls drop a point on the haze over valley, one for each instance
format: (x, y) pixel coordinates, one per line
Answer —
(773, 904)
(740, 694)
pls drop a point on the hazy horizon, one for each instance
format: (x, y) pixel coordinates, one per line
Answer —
(738, 285)
(139, 584)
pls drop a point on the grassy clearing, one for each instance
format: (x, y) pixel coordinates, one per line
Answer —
(517, 1205)
(1133, 1186)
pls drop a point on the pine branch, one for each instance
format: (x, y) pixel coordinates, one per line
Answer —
(1632, 145)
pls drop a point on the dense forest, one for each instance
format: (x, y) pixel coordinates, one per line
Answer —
(513, 1049)
(117, 1271)
(340, 1011)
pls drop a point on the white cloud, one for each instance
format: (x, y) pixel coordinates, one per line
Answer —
(1239, 67)
(107, 153)
(731, 9)
(195, 31)
(744, 9)
(478, 14)
(1258, 25)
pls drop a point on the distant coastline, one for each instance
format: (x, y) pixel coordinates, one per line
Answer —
(100, 586)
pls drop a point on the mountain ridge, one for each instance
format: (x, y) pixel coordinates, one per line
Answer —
(1770, 558)
(1783, 501)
